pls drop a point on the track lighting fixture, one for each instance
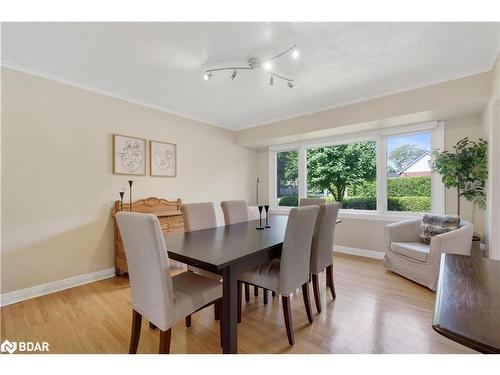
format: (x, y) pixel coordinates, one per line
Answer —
(255, 63)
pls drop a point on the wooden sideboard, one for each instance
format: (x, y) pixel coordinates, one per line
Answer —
(168, 212)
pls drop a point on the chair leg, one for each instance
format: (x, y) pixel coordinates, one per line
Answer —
(266, 296)
(247, 293)
(152, 326)
(273, 293)
(216, 313)
(255, 291)
(219, 306)
(165, 341)
(188, 321)
(317, 297)
(287, 313)
(136, 332)
(329, 280)
(307, 302)
(239, 300)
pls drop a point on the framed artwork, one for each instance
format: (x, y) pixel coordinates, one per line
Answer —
(129, 155)
(163, 159)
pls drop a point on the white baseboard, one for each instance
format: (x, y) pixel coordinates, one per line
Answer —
(54, 286)
(359, 252)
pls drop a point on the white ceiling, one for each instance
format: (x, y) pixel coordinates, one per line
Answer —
(162, 64)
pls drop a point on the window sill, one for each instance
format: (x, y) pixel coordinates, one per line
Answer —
(360, 214)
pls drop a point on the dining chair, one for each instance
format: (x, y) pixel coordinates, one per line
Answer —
(200, 216)
(311, 201)
(237, 212)
(234, 211)
(156, 295)
(322, 249)
(291, 271)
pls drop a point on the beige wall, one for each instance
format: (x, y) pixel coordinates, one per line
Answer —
(57, 181)
(452, 99)
(491, 128)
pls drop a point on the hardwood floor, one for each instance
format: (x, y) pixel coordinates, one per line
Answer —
(375, 312)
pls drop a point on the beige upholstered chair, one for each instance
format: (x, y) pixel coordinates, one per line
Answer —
(407, 256)
(156, 295)
(234, 211)
(311, 201)
(322, 249)
(200, 216)
(237, 212)
(291, 271)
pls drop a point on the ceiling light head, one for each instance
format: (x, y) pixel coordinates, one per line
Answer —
(271, 80)
(267, 65)
(291, 85)
(207, 76)
(233, 76)
(295, 53)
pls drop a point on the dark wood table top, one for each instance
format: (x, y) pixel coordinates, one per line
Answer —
(468, 302)
(216, 248)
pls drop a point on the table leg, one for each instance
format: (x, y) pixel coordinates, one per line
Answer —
(229, 311)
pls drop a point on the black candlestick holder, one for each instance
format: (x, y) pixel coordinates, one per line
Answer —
(122, 193)
(266, 208)
(130, 182)
(260, 227)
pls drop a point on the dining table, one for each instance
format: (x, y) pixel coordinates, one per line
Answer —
(228, 251)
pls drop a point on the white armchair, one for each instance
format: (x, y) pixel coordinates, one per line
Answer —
(417, 261)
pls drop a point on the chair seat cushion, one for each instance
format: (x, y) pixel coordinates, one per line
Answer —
(414, 250)
(265, 276)
(193, 291)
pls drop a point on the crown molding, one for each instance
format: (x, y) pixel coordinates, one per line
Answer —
(65, 81)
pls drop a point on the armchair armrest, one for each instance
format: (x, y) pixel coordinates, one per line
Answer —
(402, 231)
(457, 241)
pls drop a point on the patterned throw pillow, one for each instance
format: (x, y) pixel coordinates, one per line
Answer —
(432, 225)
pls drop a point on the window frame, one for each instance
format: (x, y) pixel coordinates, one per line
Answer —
(436, 128)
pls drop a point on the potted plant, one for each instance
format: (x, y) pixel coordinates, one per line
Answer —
(465, 169)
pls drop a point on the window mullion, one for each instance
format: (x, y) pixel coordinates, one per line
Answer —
(382, 174)
(302, 173)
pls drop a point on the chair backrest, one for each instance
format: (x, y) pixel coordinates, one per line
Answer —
(311, 201)
(322, 242)
(296, 252)
(148, 267)
(198, 216)
(234, 211)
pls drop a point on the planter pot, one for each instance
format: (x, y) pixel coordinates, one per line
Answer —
(475, 249)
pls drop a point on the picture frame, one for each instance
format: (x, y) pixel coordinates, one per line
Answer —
(162, 159)
(129, 155)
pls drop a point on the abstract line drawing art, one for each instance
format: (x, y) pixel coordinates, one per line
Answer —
(163, 159)
(129, 154)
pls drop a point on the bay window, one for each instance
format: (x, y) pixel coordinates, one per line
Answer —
(386, 171)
